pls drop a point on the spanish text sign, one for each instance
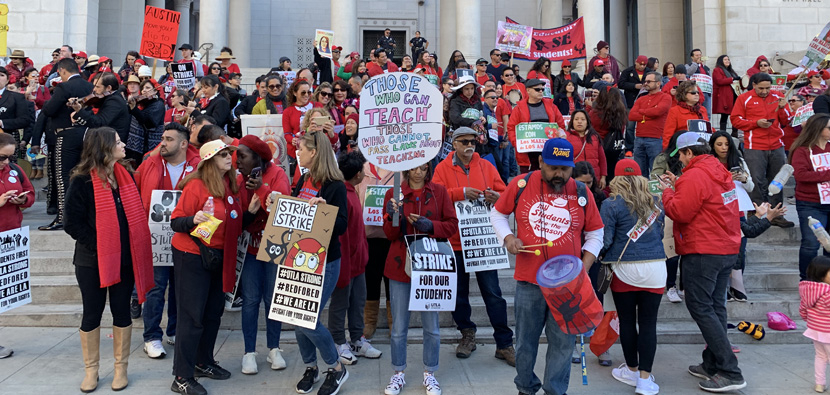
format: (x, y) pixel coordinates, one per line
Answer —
(161, 29)
(531, 136)
(434, 278)
(401, 121)
(15, 289)
(373, 205)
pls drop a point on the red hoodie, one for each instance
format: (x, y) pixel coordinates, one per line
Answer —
(749, 109)
(815, 305)
(755, 69)
(354, 248)
(704, 208)
(373, 69)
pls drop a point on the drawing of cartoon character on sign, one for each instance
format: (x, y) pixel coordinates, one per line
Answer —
(307, 255)
(276, 250)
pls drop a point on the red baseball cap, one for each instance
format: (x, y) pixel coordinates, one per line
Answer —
(642, 59)
(81, 54)
(599, 62)
(627, 167)
(336, 48)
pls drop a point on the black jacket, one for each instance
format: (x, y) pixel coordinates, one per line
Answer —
(14, 112)
(561, 102)
(821, 105)
(219, 109)
(112, 112)
(458, 107)
(246, 106)
(754, 226)
(29, 129)
(56, 108)
(152, 116)
(559, 82)
(589, 80)
(334, 192)
(628, 79)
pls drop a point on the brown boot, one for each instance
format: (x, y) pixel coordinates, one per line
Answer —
(389, 315)
(507, 354)
(370, 318)
(121, 351)
(90, 344)
(467, 344)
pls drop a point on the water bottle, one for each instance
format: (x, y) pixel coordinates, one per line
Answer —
(273, 196)
(780, 179)
(208, 207)
(820, 232)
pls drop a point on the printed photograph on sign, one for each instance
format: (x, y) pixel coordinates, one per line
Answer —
(558, 43)
(15, 273)
(162, 204)
(479, 243)
(269, 129)
(512, 37)
(323, 39)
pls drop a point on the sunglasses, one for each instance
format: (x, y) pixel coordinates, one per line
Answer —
(325, 94)
(339, 90)
(693, 93)
(492, 97)
(466, 141)
(274, 86)
(509, 75)
(566, 67)
(215, 68)
(763, 65)
(335, 51)
(304, 93)
(4, 158)
(224, 154)
(539, 89)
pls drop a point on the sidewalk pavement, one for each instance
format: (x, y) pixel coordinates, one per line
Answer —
(48, 361)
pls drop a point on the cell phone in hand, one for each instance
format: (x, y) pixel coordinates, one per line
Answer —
(736, 169)
(771, 120)
(320, 121)
(22, 194)
(256, 172)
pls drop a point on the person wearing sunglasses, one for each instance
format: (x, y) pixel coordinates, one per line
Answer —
(274, 100)
(535, 108)
(511, 83)
(815, 80)
(565, 74)
(298, 102)
(689, 107)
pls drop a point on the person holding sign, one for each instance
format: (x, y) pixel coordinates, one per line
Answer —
(322, 183)
(549, 206)
(696, 66)
(469, 177)
(112, 249)
(633, 243)
(688, 108)
(535, 108)
(426, 210)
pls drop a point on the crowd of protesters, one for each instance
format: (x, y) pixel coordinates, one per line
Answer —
(106, 139)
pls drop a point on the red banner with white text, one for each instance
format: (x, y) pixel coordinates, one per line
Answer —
(557, 44)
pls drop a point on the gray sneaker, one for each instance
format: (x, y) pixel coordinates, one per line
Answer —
(699, 372)
(720, 383)
(5, 352)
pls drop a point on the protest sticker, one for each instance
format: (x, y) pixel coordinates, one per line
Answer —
(323, 39)
(802, 114)
(401, 121)
(434, 277)
(779, 84)
(513, 37)
(184, 75)
(558, 43)
(268, 128)
(162, 204)
(821, 162)
(703, 81)
(818, 48)
(161, 30)
(241, 252)
(296, 237)
(15, 289)
(531, 136)
(373, 204)
(482, 248)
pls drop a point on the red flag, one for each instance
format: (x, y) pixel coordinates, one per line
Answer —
(557, 44)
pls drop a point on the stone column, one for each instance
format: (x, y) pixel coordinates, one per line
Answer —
(593, 13)
(183, 7)
(156, 3)
(239, 32)
(551, 14)
(344, 25)
(447, 38)
(618, 15)
(213, 26)
(468, 29)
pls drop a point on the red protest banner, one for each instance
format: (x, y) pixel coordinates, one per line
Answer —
(559, 43)
(161, 29)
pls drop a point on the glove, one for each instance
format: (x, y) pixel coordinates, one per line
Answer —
(391, 208)
(423, 225)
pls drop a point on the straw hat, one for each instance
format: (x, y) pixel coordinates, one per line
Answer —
(18, 53)
(92, 61)
(225, 55)
(133, 78)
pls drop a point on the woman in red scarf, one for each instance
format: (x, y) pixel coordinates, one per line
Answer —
(112, 248)
(204, 269)
(688, 107)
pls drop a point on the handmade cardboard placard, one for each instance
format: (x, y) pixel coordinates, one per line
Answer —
(162, 204)
(161, 30)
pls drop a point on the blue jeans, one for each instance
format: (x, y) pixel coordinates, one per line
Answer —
(154, 305)
(705, 278)
(257, 282)
(532, 315)
(319, 338)
(400, 315)
(707, 102)
(645, 150)
(512, 164)
(809, 243)
(503, 158)
(488, 283)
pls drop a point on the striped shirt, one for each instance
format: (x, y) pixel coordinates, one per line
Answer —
(815, 305)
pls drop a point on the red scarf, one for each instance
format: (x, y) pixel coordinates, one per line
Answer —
(109, 235)
(233, 228)
(695, 108)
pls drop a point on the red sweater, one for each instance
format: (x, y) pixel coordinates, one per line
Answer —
(152, 175)
(373, 69)
(815, 305)
(650, 112)
(273, 179)
(521, 114)
(806, 178)
(593, 152)
(354, 248)
(749, 109)
(10, 215)
(291, 118)
(676, 120)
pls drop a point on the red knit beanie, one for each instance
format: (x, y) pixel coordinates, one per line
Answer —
(353, 117)
(259, 147)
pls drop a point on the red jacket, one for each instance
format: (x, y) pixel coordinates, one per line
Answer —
(806, 177)
(16, 74)
(453, 176)
(373, 69)
(599, 125)
(815, 305)
(10, 215)
(591, 152)
(704, 208)
(673, 83)
(152, 175)
(650, 112)
(354, 248)
(273, 179)
(521, 114)
(436, 205)
(749, 109)
(291, 117)
(723, 96)
(676, 120)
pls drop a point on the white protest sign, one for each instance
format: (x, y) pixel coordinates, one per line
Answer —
(288, 76)
(401, 121)
(821, 162)
(15, 289)
(162, 203)
(704, 82)
(482, 249)
(241, 252)
(269, 129)
(818, 48)
(434, 278)
(184, 75)
(373, 204)
(744, 201)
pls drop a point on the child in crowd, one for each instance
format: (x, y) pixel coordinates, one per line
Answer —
(815, 309)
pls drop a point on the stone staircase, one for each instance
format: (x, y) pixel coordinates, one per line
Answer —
(771, 279)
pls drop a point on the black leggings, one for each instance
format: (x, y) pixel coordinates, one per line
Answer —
(378, 250)
(638, 307)
(94, 298)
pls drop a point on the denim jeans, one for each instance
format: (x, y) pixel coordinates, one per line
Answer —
(763, 166)
(154, 304)
(257, 282)
(705, 279)
(532, 315)
(671, 272)
(488, 283)
(512, 164)
(645, 150)
(707, 103)
(400, 315)
(319, 338)
(809, 243)
(503, 159)
(348, 301)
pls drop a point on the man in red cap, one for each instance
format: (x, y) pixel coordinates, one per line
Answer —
(604, 54)
(80, 59)
(595, 74)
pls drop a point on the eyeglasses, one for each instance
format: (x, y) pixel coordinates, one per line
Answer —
(339, 90)
(466, 141)
(649, 81)
(693, 93)
(4, 158)
(335, 51)
(816, 76)
(325, 94)
(274, 86)
(539, 89)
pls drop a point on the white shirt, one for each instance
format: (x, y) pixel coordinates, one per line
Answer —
(175, 172)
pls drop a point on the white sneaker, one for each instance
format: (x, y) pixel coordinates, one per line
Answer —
(249, 363)
(362, 348)
(171, 340)
(431, 384)
(395, 385)
(154, 349)
(647, 386)
(682, 293)
(275, 359)
(346, 356)
(624, 375)
(673, 295)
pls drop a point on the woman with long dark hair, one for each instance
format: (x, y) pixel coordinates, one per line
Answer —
(456, 58)
(568, 100)
(149, 112)
(105, 216)
(128, 68)
(541, 70)
(608, 115)
(275, 101)
(723, 96)
(668, 72)
(587, 144)
(213, 100)
(584, 173)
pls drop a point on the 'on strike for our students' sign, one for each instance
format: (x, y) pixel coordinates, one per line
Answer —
(184, 75)
(434, 277)
(296, 238)
(15, 289)
(482, 249)
(161, 29)
(162, 204)
(531, 136)
(401, 117)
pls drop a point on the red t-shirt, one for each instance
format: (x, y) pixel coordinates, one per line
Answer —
(543, 215)
(309, 189)
(502, 109)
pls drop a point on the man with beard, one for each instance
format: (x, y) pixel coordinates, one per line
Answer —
(163, 172)
(550, 207)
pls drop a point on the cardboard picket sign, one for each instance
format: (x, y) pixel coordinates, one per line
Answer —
(161, 30)
(802, 114)
(162, 204)
(15, 276)
(296, 237)
(434, 274)
(818, 48)
(482, 248)
(241, 252)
